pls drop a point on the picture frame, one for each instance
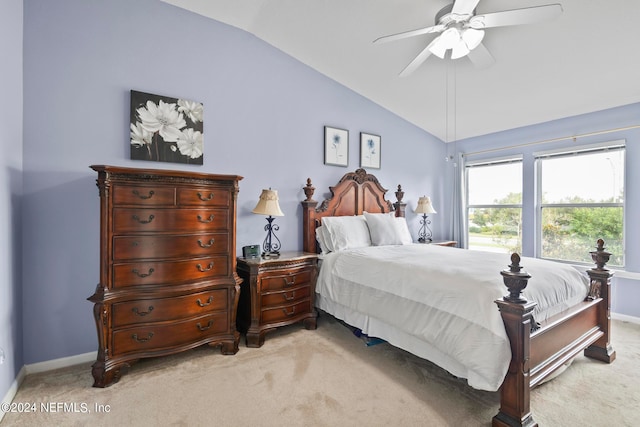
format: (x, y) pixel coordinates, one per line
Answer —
(336, 146)
(166, 129)
(370, 150)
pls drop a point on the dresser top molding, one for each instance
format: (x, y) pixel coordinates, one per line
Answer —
(151, 174)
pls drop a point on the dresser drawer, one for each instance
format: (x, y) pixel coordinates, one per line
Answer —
(284, 313)
(143, 195)
(168, 272)
(285, 297)
(161, 309)
(169, 246)
(162, 336)
(172, 220)
(219, 197)
(278, 282)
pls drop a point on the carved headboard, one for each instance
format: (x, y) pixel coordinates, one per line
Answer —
(355, 193)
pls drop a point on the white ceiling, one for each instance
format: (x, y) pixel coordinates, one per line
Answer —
(586, 60)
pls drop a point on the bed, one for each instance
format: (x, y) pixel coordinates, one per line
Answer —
(438, 302)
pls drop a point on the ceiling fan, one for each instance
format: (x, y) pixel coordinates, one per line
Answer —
(461, 31)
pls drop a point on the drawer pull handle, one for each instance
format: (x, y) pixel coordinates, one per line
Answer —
(202, 270)
(143, 221)
(137, 273)
(149, 336)
(142, 313)
(206, 221)
(142, 196)
(204, 328)
(204, 304)
(206, 245)
(287, 298)
(289, 313)
(289, 283)
(205, 199)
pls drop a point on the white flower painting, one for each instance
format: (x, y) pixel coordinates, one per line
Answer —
(166, 129)
(336, 146)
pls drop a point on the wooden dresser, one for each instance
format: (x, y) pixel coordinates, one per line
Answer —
(168, 278)
(276, 292)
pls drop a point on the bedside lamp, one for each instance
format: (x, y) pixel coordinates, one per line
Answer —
(268, 205)
(424, 207)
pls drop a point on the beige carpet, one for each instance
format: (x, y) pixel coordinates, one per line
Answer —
(326, 377)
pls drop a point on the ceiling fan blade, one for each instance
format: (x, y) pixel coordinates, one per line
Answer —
(412, 33)
(481, 57)
(418, 60)
(527, 15)
(464, 7)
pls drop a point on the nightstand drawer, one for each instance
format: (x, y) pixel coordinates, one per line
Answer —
(285, 313)
(279, 282)
(156, 337)
(285, 297)
(161, 309)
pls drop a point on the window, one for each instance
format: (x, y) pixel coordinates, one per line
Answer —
(494, 205)
(580, 199)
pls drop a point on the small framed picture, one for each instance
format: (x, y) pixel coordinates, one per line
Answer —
(336, 146)
(370, 146)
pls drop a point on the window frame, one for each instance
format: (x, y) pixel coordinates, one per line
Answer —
(539, 157)
(487, 163)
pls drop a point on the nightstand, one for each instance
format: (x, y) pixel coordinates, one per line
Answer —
(451, 243)
(276, 292)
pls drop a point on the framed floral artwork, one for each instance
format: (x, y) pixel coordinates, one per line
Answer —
(336, 146)
(165, 129)
(370, 146)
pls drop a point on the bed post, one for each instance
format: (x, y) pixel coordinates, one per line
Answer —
(308, 207)
(517, 315)
(399, 206)
(600, 279)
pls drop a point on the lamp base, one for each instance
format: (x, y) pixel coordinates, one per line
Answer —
(425, 240)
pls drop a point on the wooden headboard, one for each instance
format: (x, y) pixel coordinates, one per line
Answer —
(355, 193)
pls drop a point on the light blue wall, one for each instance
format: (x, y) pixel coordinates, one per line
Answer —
(10, 191)
(609, 125)
(264, 118)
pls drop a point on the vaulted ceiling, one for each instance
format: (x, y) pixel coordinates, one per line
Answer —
(585, 60)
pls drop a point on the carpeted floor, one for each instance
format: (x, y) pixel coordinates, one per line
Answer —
(326, 377)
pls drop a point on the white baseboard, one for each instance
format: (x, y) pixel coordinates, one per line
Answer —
(48, 365)
(63, 362)
(625, 318)
(15, 385)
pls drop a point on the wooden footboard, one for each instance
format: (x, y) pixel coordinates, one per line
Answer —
(539, 350)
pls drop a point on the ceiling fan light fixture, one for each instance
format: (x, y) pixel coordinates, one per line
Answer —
(472, 37)
(459, 50)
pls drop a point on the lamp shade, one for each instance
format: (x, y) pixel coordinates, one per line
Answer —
(425, 206)
(268, 204)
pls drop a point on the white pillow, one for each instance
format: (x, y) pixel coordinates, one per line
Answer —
(403, 231)
(346, 232)
(322, 241)
(384, 229)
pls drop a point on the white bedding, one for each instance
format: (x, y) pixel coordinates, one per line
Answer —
(438, 302)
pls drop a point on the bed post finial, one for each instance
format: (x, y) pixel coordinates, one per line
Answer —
(600, 257)
(399, 206)
(515, 280)
(309, 190)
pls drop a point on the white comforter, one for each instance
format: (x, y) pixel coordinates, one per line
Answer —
(439, 302)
